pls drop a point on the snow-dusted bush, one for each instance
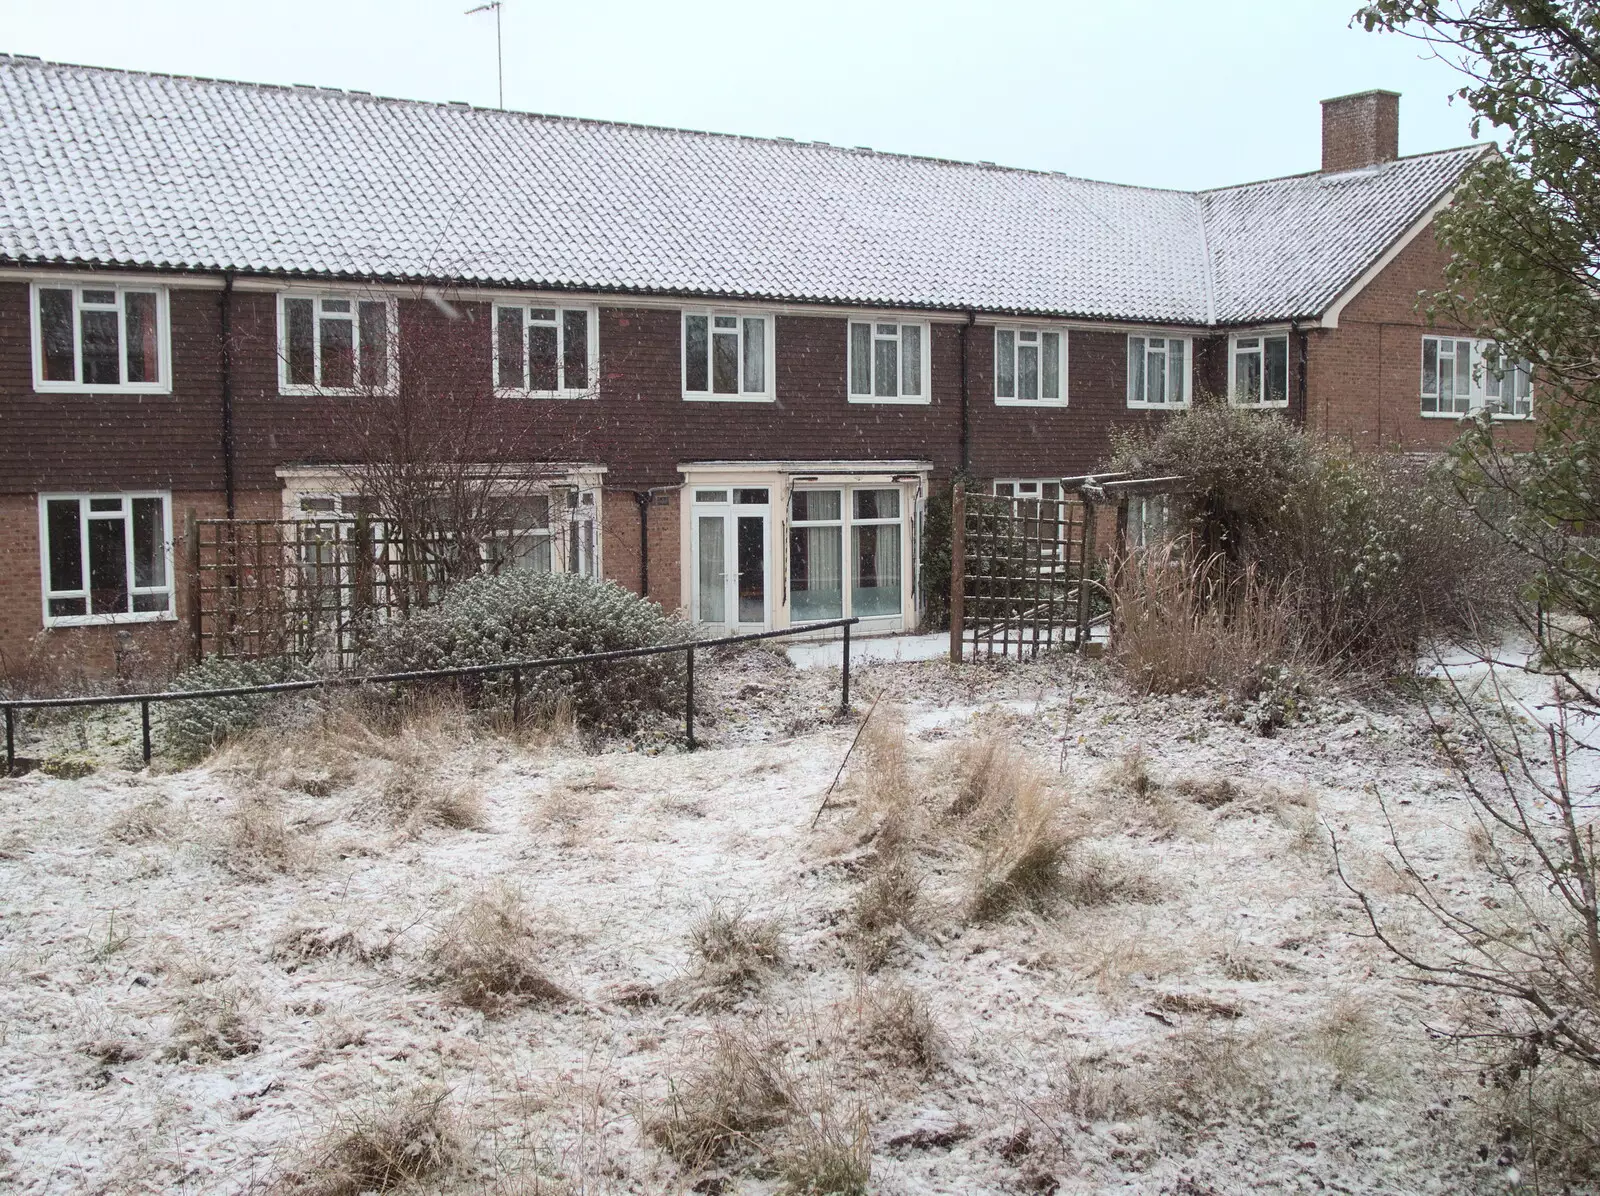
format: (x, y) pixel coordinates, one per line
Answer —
(537, 616)
(193, 728)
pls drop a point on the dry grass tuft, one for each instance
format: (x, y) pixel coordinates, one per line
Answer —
(1020, 863)
(317, 940)
(828, 1154)
(413, 799)
(1213, 1071)
(143, 822)
(884, 785)
(1212, 793)
(213, 1024)
(735, 954)
(488, 953)
(258, 840)
(988, 776)
(1090, 878)
(1345, 1040)
(410, 1139)
(894, 1024)
(739, 1091)
(885, 905)
(1092, 1085)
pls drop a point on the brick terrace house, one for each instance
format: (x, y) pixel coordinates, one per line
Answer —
(757, 357)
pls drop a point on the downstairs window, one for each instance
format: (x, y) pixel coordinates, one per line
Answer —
(107, 558)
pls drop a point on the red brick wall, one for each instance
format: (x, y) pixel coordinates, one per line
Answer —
(621, 538)
(1364, 378)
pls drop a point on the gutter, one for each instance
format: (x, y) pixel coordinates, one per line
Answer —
(228, 484)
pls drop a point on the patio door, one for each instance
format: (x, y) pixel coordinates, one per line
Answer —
(732, 558)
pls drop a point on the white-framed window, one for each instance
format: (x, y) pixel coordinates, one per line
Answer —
(845, 553)
(727, 356)
(545, 352)
(98, 336)
(1460, 376)
(1030, 367)
(1152, 522)
(337, 344)
(1258, 370)
(1048, 489)
(1158, 371)
(106, 558)
(889, 362)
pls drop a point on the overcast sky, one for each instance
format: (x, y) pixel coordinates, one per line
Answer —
(1172, 93)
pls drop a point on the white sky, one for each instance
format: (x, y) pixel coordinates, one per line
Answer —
(1174, 93)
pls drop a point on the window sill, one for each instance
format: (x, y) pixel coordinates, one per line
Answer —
(154, 616)
(333, 392)
(1052, 403)
(690, 397)
(1283, 406)
(125, 388)
(1158, 406)
(506, 393)
(875, 400)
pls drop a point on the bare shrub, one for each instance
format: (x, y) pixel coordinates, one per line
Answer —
(884, 905)
(734, 955)
(1020, 862)
(738, 1092)
(409, 1138)
(488, 953)
(258, 840)
(1544, 1114)
(895, 1024)
(215, 1023)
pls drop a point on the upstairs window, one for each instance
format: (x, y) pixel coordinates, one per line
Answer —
(336, 344)
(1029, 367)
(107, 558)
(1258, 372)
(1158, 371)
(1462, 376)
(727, 356)
(888, 362)
(100, 337)
(547, 352)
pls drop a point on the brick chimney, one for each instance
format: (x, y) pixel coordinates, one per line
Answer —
(1360, 130)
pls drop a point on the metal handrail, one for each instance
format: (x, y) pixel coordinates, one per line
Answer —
(515, 667)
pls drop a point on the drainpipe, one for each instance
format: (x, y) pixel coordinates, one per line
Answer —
(227, 390)
(644, 498)
(966, 397)
(1300, 383)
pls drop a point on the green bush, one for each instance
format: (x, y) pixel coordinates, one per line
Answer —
(937, 544)
(192, 729)
(520, 615)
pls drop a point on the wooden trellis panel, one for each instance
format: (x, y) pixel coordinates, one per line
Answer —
(1019, 581)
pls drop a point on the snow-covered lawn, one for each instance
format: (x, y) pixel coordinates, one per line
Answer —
(205, 973)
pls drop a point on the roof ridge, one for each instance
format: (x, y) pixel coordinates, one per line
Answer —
(1479, 146)
(34, 60)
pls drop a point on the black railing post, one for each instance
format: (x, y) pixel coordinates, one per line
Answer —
(688, 701)
(844, 695)
(516, 698)
(11, 741)
(144, 720)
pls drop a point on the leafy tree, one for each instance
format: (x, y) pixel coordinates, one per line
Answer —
(1524, 233)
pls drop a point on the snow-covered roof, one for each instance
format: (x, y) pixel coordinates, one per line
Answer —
(121, 168)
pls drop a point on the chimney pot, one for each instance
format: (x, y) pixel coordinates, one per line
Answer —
(1360, 130)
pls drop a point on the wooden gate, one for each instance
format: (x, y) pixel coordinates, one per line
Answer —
(1020, 578)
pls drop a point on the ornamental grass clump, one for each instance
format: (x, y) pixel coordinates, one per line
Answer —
(520, 615)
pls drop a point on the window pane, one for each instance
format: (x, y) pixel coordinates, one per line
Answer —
(102, 360)
(302, 342)
(1157, 380)
(695, 365)
(1247, 377)
(336, 305)
(575, 350)
(911, 359)
(337, 352)
(541, 357)
(65, 546)
(875, 588)
(1430, 367)
(751, 531)
(1005, 363)
(1136, 369)
(813, 505)
(508, 360)
(1463, 374)
(1447, 376)
(712, 571)
(1177, 373)
(755, 496)
(149, 544)
(374, 317)
(1027, 371)
(711, 496)
(885, 369)
(725, 363)
(1277, 368)
(55, 331)
(1051, 350)
(1004, 490)
(877, 504)
(755, 356)
(108, 567)
(861, 359)
(816, 584)
(144, 353)
(727, 321)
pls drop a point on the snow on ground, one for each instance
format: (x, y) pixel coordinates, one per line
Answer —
(1221, 1027)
